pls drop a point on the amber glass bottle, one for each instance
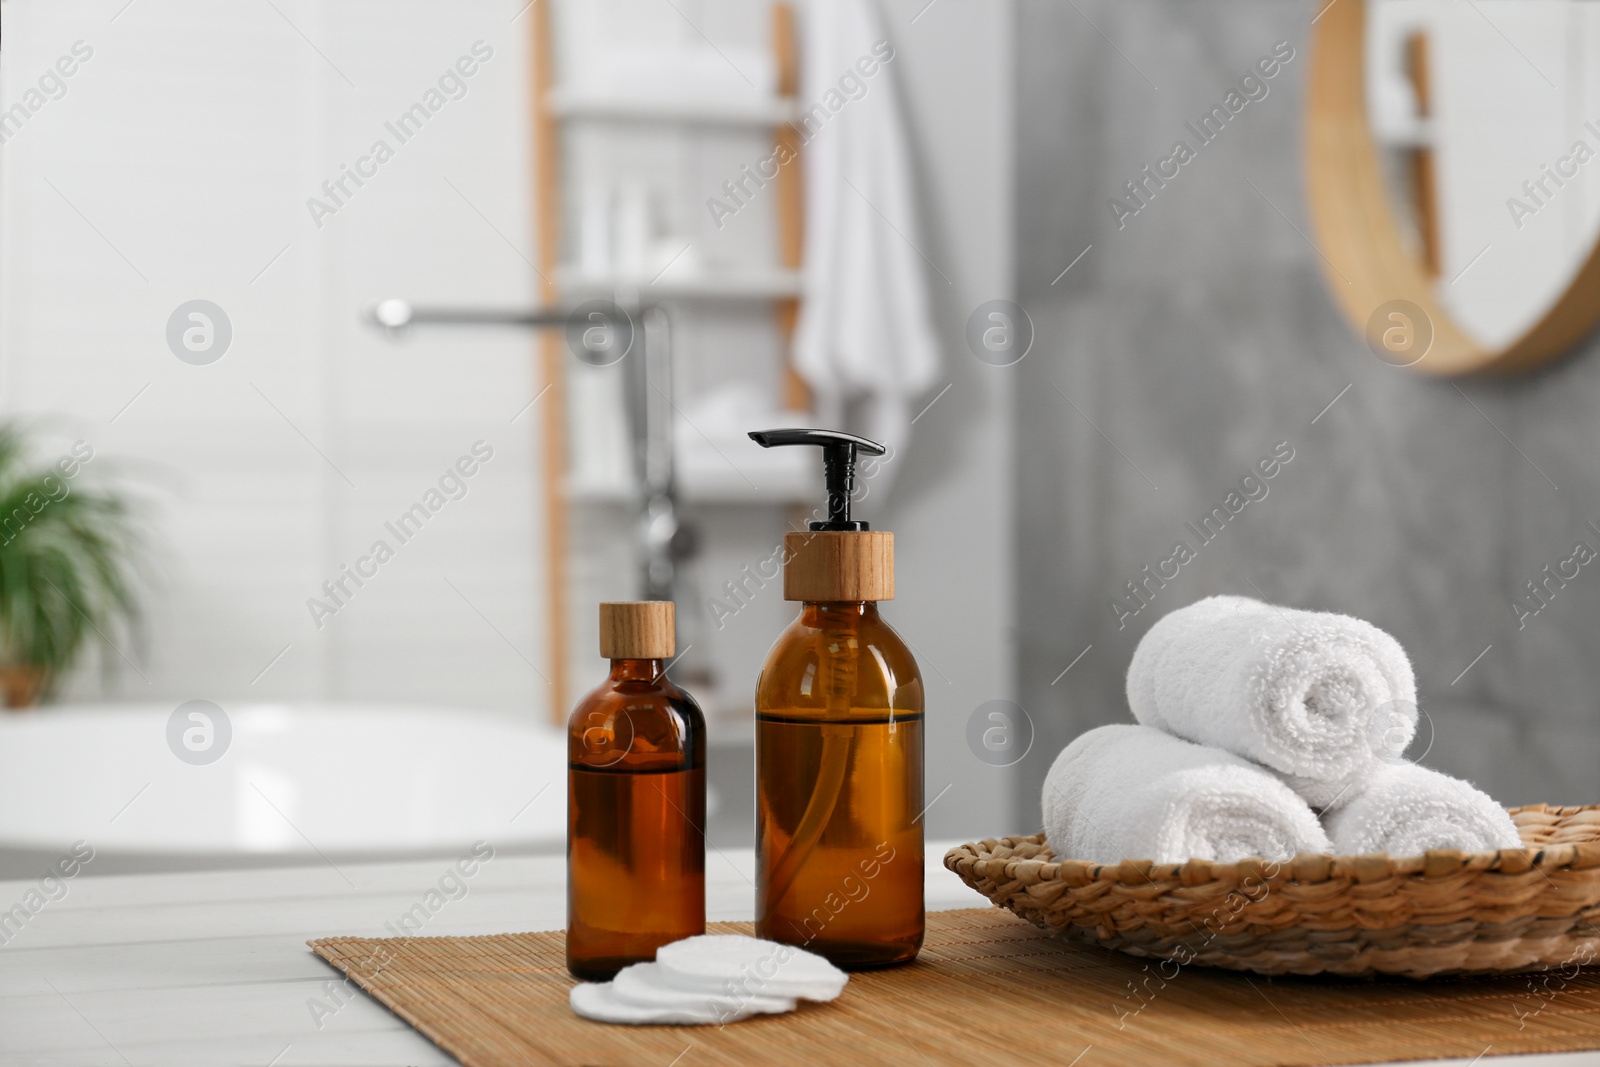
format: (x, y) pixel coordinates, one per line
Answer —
(839, 741)
(839, 789)
(636, 800)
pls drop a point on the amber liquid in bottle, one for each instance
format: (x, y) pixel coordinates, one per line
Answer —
(636, 805)
(840, 789)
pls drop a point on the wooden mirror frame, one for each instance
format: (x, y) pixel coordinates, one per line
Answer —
(1366, 262)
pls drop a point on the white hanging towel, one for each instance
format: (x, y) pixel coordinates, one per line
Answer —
(864, 335)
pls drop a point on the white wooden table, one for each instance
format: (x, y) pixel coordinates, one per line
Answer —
(212, 968)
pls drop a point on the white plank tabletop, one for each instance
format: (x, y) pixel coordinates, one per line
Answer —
(211, 968)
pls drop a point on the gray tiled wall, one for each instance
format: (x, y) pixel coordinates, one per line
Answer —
(1183, 346)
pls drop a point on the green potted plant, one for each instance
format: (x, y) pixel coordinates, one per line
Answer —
(66, 553)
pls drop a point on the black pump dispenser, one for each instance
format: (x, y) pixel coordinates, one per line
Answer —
(839, 451)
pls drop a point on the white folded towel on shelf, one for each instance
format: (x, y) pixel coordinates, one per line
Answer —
(1405, 810)
(1316, 696)
(1132, 792)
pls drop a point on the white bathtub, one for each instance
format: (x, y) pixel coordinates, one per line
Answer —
(296, 783)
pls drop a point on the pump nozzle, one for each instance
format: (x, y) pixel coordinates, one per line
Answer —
(839, 452)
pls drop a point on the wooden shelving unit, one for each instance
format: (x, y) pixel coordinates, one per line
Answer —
(555, 105)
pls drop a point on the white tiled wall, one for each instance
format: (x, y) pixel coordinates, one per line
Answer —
(177, 166)
(190, 142)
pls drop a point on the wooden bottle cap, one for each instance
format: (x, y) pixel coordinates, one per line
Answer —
(821, 565)
(637, 629)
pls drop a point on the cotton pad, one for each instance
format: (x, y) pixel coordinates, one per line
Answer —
(644, 984)
(599, 1001)
(736, 965)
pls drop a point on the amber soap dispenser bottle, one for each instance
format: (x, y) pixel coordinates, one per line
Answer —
(839, 784)
(636, 801)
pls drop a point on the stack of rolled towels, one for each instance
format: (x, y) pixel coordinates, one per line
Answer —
(1262, 731)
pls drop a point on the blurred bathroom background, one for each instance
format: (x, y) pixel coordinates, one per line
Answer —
(1119, 337)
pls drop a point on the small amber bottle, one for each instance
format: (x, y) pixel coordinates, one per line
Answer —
(839, 744)
(636, 802)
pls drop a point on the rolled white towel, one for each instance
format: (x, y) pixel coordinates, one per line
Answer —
(1405, 810)
(1316, 696)
(1132, 792)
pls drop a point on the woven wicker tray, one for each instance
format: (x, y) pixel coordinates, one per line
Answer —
(1443, 912)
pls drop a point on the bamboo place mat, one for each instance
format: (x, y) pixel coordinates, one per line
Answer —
(987, 988)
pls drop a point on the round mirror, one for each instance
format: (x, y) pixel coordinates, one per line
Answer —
(1453, 170)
